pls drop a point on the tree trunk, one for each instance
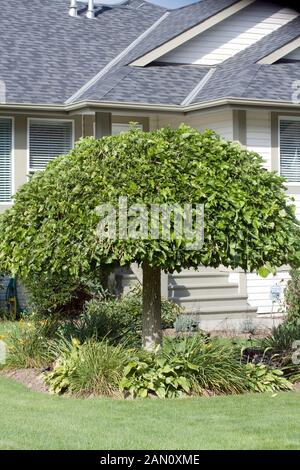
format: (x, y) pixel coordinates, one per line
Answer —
(151, 320)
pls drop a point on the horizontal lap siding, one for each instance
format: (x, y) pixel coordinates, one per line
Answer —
(231, 36)
(259, 134)
(259, 291)
(220, 121)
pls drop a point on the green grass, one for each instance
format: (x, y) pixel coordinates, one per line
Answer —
(31, 420)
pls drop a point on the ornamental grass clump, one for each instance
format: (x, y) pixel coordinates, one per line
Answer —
(92, 368)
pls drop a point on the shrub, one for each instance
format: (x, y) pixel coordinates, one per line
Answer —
(61, 293)
(184, 366)
(262, 378)
(91, 368)
(292, 297)
(116, 319)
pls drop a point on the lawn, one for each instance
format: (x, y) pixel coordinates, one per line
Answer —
(31, 420)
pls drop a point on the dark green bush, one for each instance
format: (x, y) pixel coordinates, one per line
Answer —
(116, 319)
(63, 294)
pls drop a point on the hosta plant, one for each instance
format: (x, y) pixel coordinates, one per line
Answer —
(262, 378)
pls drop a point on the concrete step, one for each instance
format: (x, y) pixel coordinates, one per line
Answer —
(200, 302)
(209, 289)
(195, 277)
(219, 313)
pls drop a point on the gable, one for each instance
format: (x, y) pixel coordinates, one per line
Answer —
(231, 36)
(295, 55)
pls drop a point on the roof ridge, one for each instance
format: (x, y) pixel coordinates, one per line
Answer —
(115, 60)
(195, 91)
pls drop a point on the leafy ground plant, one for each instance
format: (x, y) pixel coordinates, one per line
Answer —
(190, 365)
(262, 378)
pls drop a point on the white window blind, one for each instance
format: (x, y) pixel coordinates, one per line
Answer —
(5, 159)
(290, 150)
(47, 140)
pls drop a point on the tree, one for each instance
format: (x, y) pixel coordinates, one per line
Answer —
(249, 220)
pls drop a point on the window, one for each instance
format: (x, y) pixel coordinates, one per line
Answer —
(5, 159)
(289, 130)
(47, 140)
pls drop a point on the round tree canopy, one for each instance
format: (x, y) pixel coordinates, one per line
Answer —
(249, 222)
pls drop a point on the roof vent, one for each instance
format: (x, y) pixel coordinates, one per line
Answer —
(73, 8)
(93, 8)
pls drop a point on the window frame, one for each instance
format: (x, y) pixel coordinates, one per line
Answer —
(31, 171)
(285, 118)
(12, 176)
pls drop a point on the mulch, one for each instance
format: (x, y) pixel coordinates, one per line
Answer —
(31, 378)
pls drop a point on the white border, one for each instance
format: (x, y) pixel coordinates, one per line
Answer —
(286, 118)
(12, 169)
(28, 169)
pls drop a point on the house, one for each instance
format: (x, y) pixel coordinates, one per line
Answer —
(77, 68)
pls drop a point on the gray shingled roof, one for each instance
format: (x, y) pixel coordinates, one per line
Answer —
(47, 56)
(153, 84)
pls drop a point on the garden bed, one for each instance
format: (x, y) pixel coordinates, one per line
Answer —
(31, 378)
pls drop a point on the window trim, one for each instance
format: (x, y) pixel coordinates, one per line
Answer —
(12, 176)
(289, 184)
(29, 120)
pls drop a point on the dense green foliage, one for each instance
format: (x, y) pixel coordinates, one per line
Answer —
(191, 365)
(31, 342)
(61, 293)
(292, 297)
(248, 219)
(29, 346)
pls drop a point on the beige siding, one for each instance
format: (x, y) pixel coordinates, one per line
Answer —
(220, 121)
(259, 134)
(259, 291)
(232, 35)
